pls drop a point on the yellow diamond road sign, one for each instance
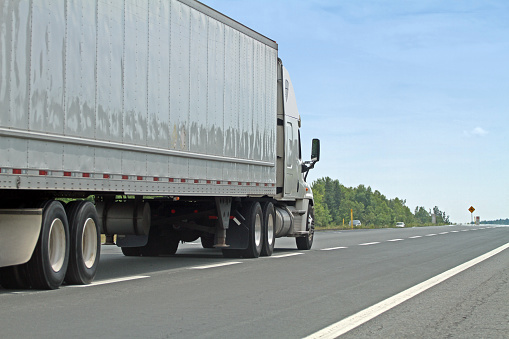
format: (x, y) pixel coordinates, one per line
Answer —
(471, 209)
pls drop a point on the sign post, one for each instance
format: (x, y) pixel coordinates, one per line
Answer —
(471, 210)
(351, 216)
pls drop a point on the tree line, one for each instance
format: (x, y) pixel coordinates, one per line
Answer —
(496, 222)
(333, 202)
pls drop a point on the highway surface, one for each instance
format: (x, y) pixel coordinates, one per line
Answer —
(357, 283)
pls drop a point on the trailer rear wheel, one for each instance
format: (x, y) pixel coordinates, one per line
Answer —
(269, 217)
(254, 221)
(85, 244)
(48, 265)
(305, 243)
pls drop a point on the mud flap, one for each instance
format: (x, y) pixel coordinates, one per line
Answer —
(237, 234)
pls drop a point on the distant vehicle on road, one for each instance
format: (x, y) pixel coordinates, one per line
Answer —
(356, 223)
(400, 224)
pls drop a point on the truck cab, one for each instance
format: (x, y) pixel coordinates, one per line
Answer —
(292, 170)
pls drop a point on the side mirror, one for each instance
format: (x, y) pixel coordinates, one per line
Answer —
(315, 150)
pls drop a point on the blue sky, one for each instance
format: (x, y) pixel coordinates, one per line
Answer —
(408, 97)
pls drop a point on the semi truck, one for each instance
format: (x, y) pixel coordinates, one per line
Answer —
(149, 122)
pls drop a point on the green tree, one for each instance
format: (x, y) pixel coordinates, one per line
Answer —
(442, 218)
(322, 213)
(421, 215)
(333, 203)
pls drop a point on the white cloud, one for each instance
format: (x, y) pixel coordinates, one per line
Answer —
(476, 132)
(479, 131)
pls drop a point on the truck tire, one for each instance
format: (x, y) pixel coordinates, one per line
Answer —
(305, 243)
(14, 277)
(168, 245)
(227, 253)
(131, 251)
(269, 222)
(85, 244)
(254, 221)
(48, 265)
(207, 241)
(159, 244)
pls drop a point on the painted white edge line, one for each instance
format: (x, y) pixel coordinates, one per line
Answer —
(285, 255)
(395, 240)
(347, 324)
(215, 265)
(332, 248)
(455, 231)
(430, 235)
(415, 237)
(444, 233)
(369, 243)
(112, 281)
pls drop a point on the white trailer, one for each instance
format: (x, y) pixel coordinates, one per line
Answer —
(156, 121)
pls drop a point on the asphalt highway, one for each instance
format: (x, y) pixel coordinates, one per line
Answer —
(293, 294)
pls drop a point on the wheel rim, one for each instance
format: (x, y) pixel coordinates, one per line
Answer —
(89, 243)
(270, 230)
(56, 245)
(258, 230)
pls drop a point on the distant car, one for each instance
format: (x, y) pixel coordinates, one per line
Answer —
(356, 223)
(400, 224)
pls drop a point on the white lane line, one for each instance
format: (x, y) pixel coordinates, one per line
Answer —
(430, 235)
(215, 265)
(455, 231)
(285, 255)
(347, 324)
(465, 230)
(112, 281)
(443, 233)
(332, 248)
(415, 237)
(369, 243)
(395, 240)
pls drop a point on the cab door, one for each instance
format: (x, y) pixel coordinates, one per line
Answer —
(293, 168)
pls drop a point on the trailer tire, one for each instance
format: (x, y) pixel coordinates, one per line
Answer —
(48, 265)
(269, 222)
(14, 277)
(254, 223)
(305, 243)
(85, 244)
(131, 251)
